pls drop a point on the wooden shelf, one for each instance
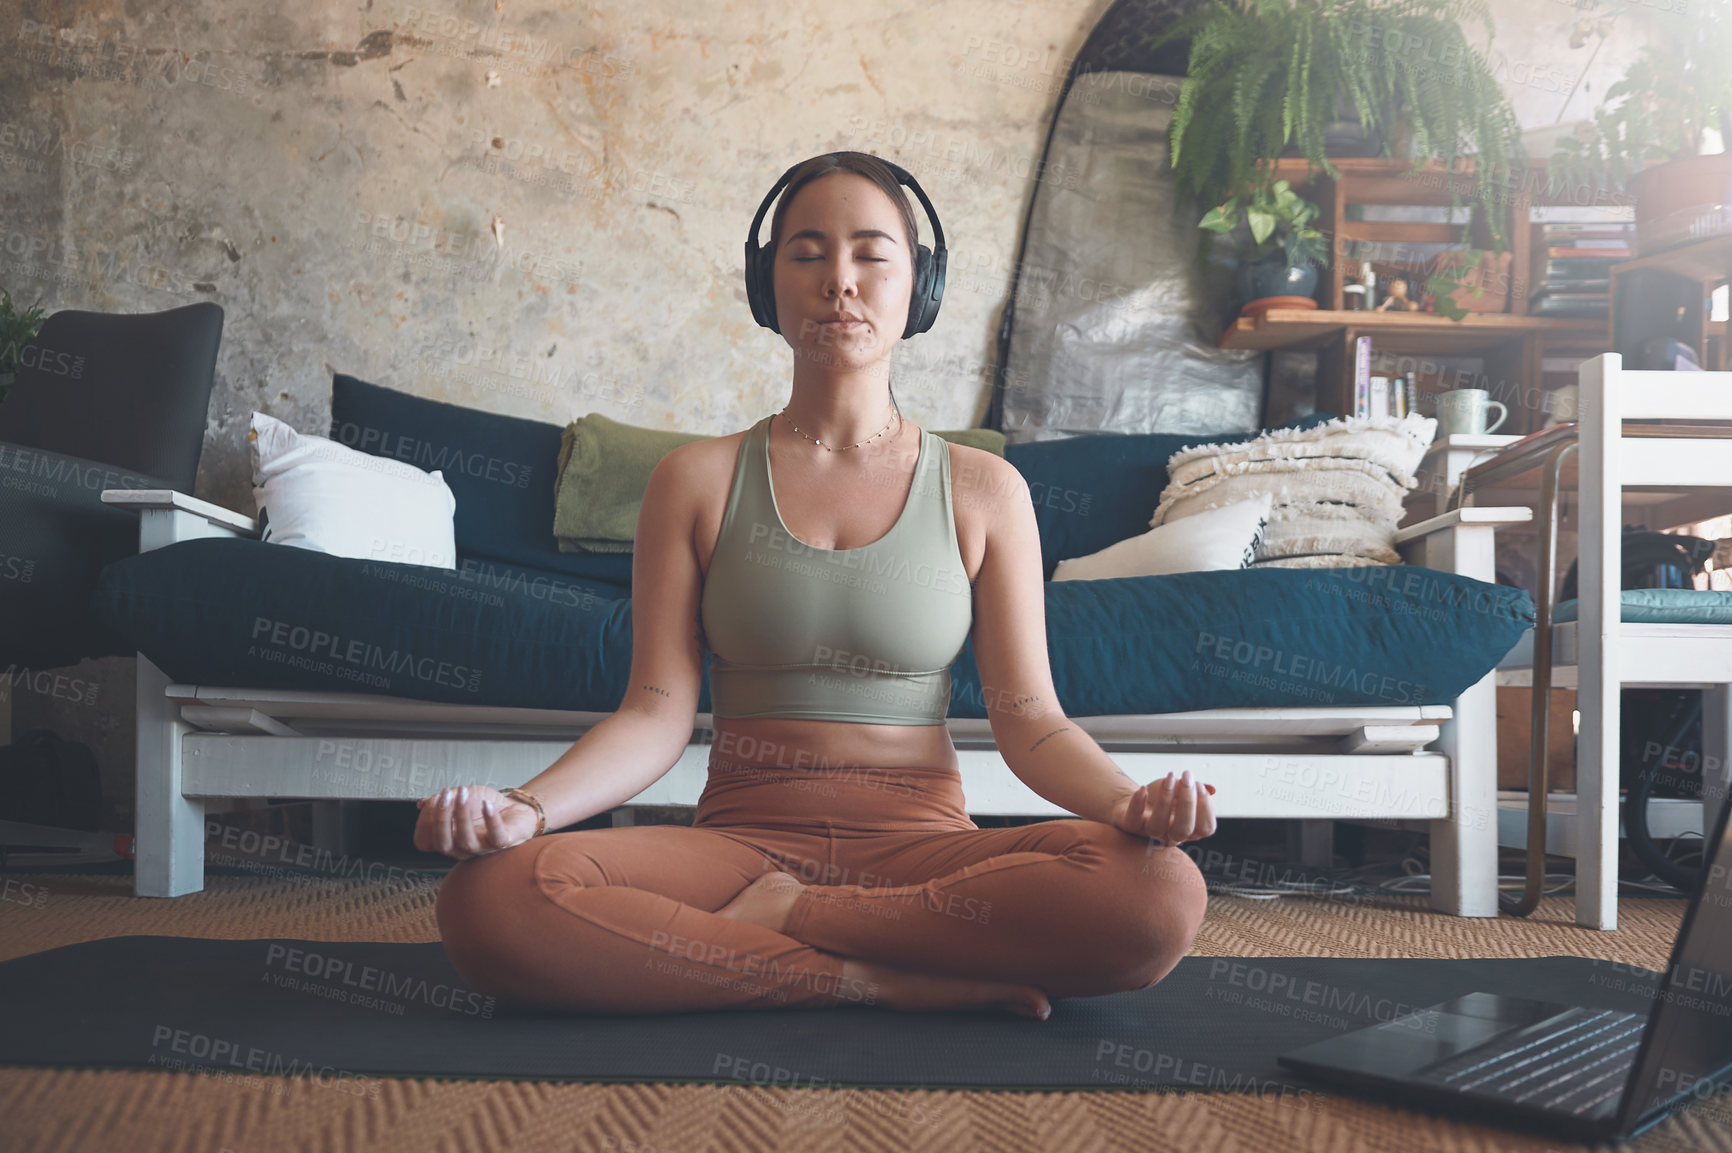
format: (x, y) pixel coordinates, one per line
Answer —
(1305, 329)
(1705, 261)
(1388, 180)
(1511, 343)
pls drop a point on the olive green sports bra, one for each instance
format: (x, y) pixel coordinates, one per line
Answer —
(862, 634)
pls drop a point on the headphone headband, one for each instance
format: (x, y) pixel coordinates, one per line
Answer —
(929, 265)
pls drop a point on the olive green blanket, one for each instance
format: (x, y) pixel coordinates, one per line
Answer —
(605, 465)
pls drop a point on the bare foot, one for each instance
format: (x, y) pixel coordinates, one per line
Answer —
(906, 989)
(766, 901)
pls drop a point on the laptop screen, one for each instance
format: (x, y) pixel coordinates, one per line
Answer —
(1689, 1034)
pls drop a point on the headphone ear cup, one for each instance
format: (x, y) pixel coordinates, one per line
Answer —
(921, 308)
(764, 289)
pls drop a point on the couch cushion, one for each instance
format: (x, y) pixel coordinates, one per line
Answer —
(238, 612)
(241, 613)
(500, 469)
(1267, 638)
(1661, 607)
(1096, 490)
(542, 584)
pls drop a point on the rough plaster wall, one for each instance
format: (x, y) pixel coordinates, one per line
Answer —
(331, 174)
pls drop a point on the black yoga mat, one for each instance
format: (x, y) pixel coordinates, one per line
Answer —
(253, 1007)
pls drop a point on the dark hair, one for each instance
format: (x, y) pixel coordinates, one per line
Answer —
(861, 164)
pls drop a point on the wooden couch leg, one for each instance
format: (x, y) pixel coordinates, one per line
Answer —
(336, 826)
(1311, 843)
(1464, 848)
(168, 829)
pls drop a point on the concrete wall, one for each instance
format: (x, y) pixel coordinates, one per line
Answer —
(537, 209)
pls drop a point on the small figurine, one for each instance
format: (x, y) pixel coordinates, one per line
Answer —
(1397, 300)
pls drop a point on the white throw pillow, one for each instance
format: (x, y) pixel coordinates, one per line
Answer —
(316, 494)
(1218, 538)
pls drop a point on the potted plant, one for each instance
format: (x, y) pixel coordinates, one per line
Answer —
(1279, 268)
(1267, 74)
(1466, 280)
(17, 330)
(1647, 135)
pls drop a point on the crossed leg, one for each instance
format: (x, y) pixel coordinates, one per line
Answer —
(624, 920)
(1075, 907)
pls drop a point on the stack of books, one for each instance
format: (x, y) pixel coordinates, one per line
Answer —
(1380, 395)
(1575, 263)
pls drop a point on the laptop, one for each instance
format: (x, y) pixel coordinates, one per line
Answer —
(1565, 1070)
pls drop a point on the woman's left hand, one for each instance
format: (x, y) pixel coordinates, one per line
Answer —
(1167, 810)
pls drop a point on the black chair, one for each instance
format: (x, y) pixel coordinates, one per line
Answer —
(100, 401)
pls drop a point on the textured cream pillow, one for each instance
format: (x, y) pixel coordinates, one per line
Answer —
(1217, 538)
(1337, 487)
(316, 494)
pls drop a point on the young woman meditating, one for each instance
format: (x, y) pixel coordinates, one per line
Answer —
(834, 571)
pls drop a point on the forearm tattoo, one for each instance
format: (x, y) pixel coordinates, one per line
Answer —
(1055, 732)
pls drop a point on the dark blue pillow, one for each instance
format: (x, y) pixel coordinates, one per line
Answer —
(1267, 638)
(1093, 491)
(235, 611)
(501, 469)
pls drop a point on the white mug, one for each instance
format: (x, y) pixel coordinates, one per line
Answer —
(1462, 412)
(1563, 402)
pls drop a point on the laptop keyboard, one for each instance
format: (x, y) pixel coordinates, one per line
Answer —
(1578, 1065)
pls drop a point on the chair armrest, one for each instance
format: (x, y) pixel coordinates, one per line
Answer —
(1460, 541)
(167, 516)
(1471, 515)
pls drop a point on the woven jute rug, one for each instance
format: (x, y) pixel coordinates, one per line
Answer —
(75, 1111)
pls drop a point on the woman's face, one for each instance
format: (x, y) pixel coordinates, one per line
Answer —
(843, 251)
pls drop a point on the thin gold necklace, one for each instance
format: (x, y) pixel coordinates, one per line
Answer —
(893, 417)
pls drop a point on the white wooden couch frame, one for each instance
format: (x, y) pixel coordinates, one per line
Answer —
(1425, 767)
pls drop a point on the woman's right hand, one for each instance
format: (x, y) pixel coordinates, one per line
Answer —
(472, 821)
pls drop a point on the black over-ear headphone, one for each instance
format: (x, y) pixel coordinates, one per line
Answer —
(928, 264)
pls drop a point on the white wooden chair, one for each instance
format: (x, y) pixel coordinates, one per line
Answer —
(1671, 444)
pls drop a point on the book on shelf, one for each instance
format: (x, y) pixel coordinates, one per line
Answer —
(1564, 306)
(1580, 265)
(1555, 252)
(1607, 235)
(1362, 376)
(1379, 406)
(1600, 215)
(1557, 292)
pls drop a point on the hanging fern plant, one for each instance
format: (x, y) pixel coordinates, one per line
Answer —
(1264, 74)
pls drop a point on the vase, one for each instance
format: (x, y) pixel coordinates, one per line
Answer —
(1345, 136)
(1271, 276)
(1491, 275)
(1681, 201)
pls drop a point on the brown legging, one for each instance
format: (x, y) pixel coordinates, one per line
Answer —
(623, 920)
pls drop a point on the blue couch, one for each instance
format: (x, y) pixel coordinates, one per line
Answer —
(520, 623)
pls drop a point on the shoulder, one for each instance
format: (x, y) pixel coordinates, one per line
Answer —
(700, 462)
(984, 475)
